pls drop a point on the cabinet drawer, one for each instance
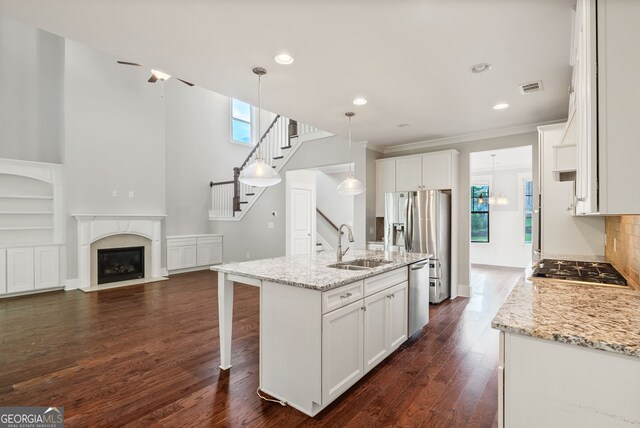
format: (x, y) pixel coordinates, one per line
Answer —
(339, 297)
(180, 242)
(210, 240)
(385, 280)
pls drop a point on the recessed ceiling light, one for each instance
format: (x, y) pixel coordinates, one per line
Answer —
(403, 125)
(160, 75)
(360, 101)
(479, 68)
(500, 106)
(284, 59)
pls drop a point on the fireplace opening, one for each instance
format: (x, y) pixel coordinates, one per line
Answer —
(120, 264)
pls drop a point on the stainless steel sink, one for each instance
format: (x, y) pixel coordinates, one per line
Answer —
(359, 264)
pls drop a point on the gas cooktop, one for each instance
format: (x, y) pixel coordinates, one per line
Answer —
(594, 272)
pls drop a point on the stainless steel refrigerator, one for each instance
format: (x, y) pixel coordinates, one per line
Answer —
(420, 222)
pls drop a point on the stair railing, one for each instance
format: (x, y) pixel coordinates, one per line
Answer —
(328, 220)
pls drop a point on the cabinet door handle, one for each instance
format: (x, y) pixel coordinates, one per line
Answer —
(363, 308)
(344, 296)
(571, 89)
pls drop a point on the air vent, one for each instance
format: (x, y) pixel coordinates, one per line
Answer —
(528, 88)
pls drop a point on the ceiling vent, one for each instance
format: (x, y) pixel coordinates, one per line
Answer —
(529, 88)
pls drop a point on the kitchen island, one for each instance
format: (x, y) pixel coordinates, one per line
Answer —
(322, 327)
(569, 355)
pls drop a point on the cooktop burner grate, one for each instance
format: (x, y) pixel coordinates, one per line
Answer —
(595, 272)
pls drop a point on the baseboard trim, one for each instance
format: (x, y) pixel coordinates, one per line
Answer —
(30, 292)
(464, 290)
(71, 284)
(186, 270)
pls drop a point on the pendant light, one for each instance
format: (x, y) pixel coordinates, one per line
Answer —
(259, 173)
(501, 199)
(351, 186)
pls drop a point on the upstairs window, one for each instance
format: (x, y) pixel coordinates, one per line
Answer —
(240, 122)
(528, 210)
(480, 214)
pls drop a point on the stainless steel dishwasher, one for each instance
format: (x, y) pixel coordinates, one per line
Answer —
(418, 296)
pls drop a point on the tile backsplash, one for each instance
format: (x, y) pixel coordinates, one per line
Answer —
(625, 230)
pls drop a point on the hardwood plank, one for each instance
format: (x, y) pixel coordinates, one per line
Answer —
(148, 355)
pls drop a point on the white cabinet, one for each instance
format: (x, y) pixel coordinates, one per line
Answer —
(342, 350)
(47, 267)
(376, 339)
(398, 315)
(552, 384)
(3, 271)
(429, 171)
(606, 100)
(189, 251)
(408, 173)
(436, 170)
(385, 182)
(209, 250)
(338, 335)
(20, 274)
(385, 323)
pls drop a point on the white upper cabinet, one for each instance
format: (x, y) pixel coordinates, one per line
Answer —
(429, 171)
(606, 101)
(385, 182)
(436, 170)
(408, 173)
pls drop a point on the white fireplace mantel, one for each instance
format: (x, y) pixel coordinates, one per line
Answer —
(92, 227)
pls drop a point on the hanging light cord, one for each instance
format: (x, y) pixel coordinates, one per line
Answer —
(350, 166)
(259, 154)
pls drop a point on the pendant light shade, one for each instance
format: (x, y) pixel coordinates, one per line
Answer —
(351, 186)
(501, 199)
(259, 173)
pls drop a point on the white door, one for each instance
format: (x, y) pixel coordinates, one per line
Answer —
(376, 340)
(300, 221)
(47, 267)
(342, 350)
(398, 315)
(19, 270)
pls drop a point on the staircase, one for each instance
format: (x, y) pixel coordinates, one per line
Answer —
(231, 200)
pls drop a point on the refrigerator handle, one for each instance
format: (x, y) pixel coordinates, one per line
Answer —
(408, 234)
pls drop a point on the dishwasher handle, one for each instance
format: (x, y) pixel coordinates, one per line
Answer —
(419, 265)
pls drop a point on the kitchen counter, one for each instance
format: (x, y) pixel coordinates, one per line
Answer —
(312, 271)
(590, 316)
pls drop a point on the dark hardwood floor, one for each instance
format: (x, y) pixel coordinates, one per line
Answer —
(148, 356)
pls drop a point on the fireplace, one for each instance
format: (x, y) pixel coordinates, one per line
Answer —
(120, 264)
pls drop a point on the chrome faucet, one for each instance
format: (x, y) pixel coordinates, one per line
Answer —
(340, 252)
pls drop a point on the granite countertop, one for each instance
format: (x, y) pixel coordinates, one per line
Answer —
(590, 316)
(312, 271)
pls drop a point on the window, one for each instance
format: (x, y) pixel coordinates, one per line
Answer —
(479, 214)
(240, 122)
(528, 210)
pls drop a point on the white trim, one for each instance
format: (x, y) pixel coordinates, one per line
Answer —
(482, 135)
(464, 290)
(92, 227)
(186, 270)
(521, 177)
(71, 284)
(26, 293)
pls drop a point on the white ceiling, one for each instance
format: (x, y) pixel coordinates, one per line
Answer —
(513, 158)
(410, 59)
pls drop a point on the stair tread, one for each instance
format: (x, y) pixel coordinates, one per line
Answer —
(244, 202)
(278, 157)
(286, 147)
(249, 194)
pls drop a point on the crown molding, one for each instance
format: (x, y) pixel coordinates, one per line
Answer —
(482, 135)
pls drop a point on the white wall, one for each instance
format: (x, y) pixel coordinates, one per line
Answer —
(339, 208)
(31, 93)
(506, 245)
(114, 140)
(251, 235)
